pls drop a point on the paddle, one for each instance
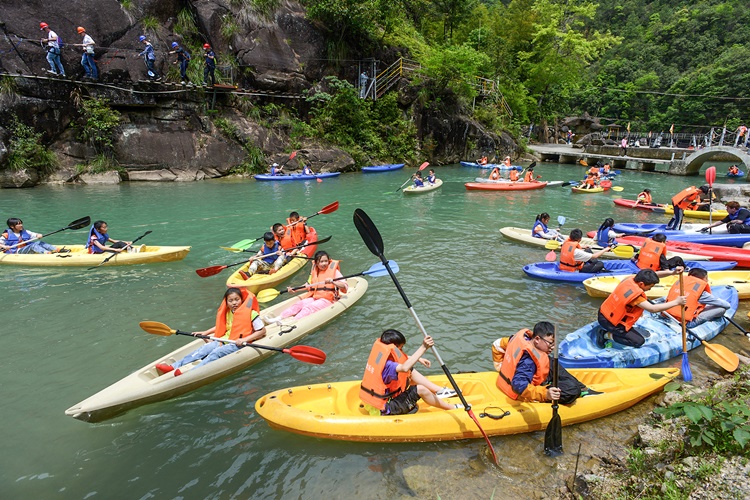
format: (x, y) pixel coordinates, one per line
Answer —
(583, 162)
(710, 178)
(371, 237)
(421, 167)
(303, 353)
(717, 352)
(76, 224)
(553, 434)
(738, 325)
(551, 257)
(622, 251)
(687, 375)
(291, 157)
(617, 188)
(123, 249)
(210, 271)
(376, 271)
(570, 183)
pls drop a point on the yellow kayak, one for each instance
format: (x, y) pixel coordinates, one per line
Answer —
(587, 191)
(698, 214)
(334, 410)
(604, 285)
(79, 256)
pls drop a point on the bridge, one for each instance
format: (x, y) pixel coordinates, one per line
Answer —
(691, 164)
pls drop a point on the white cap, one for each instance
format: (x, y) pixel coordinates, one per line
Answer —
(275, 165)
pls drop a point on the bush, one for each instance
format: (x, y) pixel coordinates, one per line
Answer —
(99, 124)
(26, 150)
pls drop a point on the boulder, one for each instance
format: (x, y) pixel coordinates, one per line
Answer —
(162, 175)
(111, 177)
(19, 178)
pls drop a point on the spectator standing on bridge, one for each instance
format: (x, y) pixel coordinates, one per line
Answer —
(624, 146)
(87, 59)
(363, 79)
(183, 58)
(53, 50)
(210, 65)
(149, 57)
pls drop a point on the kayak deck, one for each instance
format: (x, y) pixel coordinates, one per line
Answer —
(79, 256)
(424, 189)
(602, 286)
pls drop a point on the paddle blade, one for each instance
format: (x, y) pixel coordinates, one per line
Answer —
(210, 271)
(561, 220)
(553, 435)
(156, 328)
(711, 175)
(424, 165)
(551, 256)
(78, 224)
(624, 252)
(319, 179)
(722, 356)
(379, 269)
(617, 188)
(369, 233)
(687, 375)
(267, 295)
(307, 354)
(231, 249)
(552, 245)
(291, 156)
(583, 162)
(332, 207)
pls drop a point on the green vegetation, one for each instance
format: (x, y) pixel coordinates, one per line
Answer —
(150, 23)
(254, 161)
(98, 126)
(26, 150)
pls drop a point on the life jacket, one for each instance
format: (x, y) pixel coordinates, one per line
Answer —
(734, 170)
(567, 256)
(528, 177)
(276, 247)
(299, 234)
(12, 238)
(648, 256)
(645, 197)
(431, 179)
(373, 390)
(418, 182)
(287, 239)
(694, 287)
(594, 170)
(102, 238)
(495, 174)
(686, 197)
(506, 162)
(537, 224)
(242, 322)
(513, 175)
(483, 161)
(606, 169)
(590, 181)
(602, 237)
(324, 290)
(617, 309)
(736, 214)
(519, 344)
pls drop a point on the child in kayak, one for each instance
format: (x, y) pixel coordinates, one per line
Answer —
(418, 182)
(605, 235)
(701, 305)
(275, 259)
(541, 229)
(431, 178)
(14, 238)
(98, 238)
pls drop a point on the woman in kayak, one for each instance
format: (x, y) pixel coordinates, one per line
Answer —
(418, 182)
(324, 287)
(513, 174)
(98, 238)
(605, 235)
(237, 321)
(541, 229)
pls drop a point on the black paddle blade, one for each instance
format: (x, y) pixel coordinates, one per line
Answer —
(369, 233)
(78, 224)
(553, 435)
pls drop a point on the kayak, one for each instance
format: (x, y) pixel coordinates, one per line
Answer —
(579, 349)
(587, 191)
(424, 189)
(687, 228)
(718, 237)
(692, 250)
(490, 166)
(382, 168)
(504, 186)
(295, 177)
(551, 270)
(738, 174)
(524, 236)
(482, 180)
(602, 286)
(259, 281)
(79, 256)
(698, 214)
(622, 202)
(334, 411)
(147, 385)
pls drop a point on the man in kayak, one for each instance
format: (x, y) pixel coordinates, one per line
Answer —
(269, 259)
(577, 258)
(391, 385)
(737, 220)
(619, 312)
(681, 201)
(14, 240)
(701, 305)
(653, 255)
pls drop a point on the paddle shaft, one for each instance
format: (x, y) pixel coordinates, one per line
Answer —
(123, 249)
(738, 326)
(682, 316)
(227, 341)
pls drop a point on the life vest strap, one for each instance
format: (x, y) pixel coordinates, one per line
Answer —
(510, 384)
(387, 395)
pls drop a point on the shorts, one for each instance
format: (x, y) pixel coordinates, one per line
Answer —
(403, 403)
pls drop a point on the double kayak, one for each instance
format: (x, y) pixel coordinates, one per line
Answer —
(295, 177)
(259, 281)
(504, 186)
(383, 168)
(692, 250)
(148, 385)
(79, 256)
(738, 174)
(579, 190)
(690, 234)
(334, 411)
(668, 209)
(490, 166)
(424, 189)
(663, 341)
(602, 286)
(551, 270)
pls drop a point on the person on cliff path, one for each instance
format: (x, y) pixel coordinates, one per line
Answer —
(149, 57)
(183, 58)
(210, 64)
(53, 50)
(363, 79)
(87, 59)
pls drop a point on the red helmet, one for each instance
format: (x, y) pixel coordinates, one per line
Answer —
(206, 46)
(43, 25)
(80, 30)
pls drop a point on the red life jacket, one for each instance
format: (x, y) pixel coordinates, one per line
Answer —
(242, 322)
(373, 390)
(299, 234)
(517, 346)
(648, 256)
(513, 175)
(567, 256)
(686, 197)
(645, 197)
(617, 307)
(287, 240)
(324, 290)
(694, 287)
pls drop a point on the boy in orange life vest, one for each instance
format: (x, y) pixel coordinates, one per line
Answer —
(298, 226)
(681, 201)
(577, 258)
(589, 182)
(644, 198)
(513, 174)
(391, 386)
(285, 237)
(701, 305)
(619, 312)
(529, 176)
(653, 255)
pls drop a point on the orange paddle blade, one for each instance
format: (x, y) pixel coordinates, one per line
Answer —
(329, 208)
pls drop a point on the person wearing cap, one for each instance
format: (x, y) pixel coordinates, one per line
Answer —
(87, 59)
(183, 57)
(149, 57)
(276, 169)
(681, 201)
(53, 50)
(209, 64)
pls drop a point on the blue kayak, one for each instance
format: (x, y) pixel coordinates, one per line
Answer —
(295, 177)
(691, 236)
(551, 270)
(579, 349)
(490, 166)
(382, 168)
(738, 174)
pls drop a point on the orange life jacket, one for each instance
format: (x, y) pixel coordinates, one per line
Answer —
(242, 322)
(299, 235)
(645, 197)
(733, 170)
(324, 290)
(617, 307)
(287, 240)
(694, 287)
(528, 177)
(513, 175)
(567, 256)
(519, 344)
(495, 174)
(594, 170)
(686, 197)
(506, 162)
(590, 181)
(483, 161)
(373, 390)
(648, 257)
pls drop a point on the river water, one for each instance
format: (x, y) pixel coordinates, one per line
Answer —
(71, 332)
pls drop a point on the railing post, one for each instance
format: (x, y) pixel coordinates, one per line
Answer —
(723, 133)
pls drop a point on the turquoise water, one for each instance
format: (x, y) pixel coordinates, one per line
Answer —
(71, 332)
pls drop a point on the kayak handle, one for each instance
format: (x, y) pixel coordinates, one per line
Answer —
(503, 413)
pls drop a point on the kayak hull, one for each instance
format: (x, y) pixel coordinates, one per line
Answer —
(738, 174)
(668, 209)
(664, 342)
(382, 168)
(692, 250)
(587, 191)
(551, 270)
(602, 286)
(147, 385)
(295, 177)
(424, 189)
(334, 410)
(690, 234)
(79, 256)
(504, 186)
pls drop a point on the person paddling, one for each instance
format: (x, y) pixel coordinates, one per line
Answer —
(513, 174)
(529, 176)
(15, 234)
(653, 255)
(575, 257)
(299, 228)
(495, 174)
(701, 305)
(269, 259)
(98, 239)
(644, 198)
(418, 182)
(541, 228)
(605, 235)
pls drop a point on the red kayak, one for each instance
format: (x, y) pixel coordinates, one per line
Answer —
(717, 253)
(504, 186)
(632, 204)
